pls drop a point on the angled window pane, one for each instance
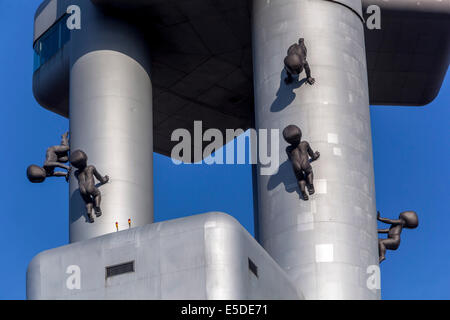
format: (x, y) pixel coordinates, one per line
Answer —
(51, 42)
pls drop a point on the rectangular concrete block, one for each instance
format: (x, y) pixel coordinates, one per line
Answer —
(208, 256)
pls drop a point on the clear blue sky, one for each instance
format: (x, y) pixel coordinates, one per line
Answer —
(411, 155)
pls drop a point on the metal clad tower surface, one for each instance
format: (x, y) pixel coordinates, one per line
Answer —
(327, 243)
(111, 120)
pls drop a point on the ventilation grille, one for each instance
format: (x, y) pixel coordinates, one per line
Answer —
(119, 269)
(252, 266)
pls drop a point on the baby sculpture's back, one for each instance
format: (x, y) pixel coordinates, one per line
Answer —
(304, 146)
(86, 178)
(51, 154)
(395, 230)
(89, 172)
(299, 50)
(300, 155)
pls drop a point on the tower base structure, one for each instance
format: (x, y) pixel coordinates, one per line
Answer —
(207, 256)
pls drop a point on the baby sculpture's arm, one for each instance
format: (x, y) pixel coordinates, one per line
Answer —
(383, 230)
(386, 220)
(99, 177)
(309, 79)
(314, 155)
(289, 151)
(77, 174)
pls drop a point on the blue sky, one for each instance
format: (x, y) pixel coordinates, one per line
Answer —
(411, 156)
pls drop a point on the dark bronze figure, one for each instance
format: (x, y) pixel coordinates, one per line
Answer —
(299, 153)
(295, 62)
(86, 182)
(55, 157)
(406, 219)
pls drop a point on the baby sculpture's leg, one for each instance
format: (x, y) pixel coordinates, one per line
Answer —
(310, 180)
(289, 79)
(89, 205)
(301, 183)
(381, 250)
(97, 200)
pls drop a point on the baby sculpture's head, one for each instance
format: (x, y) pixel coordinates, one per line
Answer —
(411, 219)
(36, 174)
(292, 134)
(78, 159)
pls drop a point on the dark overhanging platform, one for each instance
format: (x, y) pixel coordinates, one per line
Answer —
(202, 60)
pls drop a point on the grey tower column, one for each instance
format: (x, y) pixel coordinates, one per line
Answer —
(327, 243)
(111, 120)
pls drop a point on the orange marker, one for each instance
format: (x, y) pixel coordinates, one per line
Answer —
(129, 223)
(117, 226)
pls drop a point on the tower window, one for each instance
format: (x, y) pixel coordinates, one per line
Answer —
(252, 267)
(119, 269)
(51, 42)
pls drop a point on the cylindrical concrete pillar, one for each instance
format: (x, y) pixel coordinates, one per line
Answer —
(111, 120)
(328, 243)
